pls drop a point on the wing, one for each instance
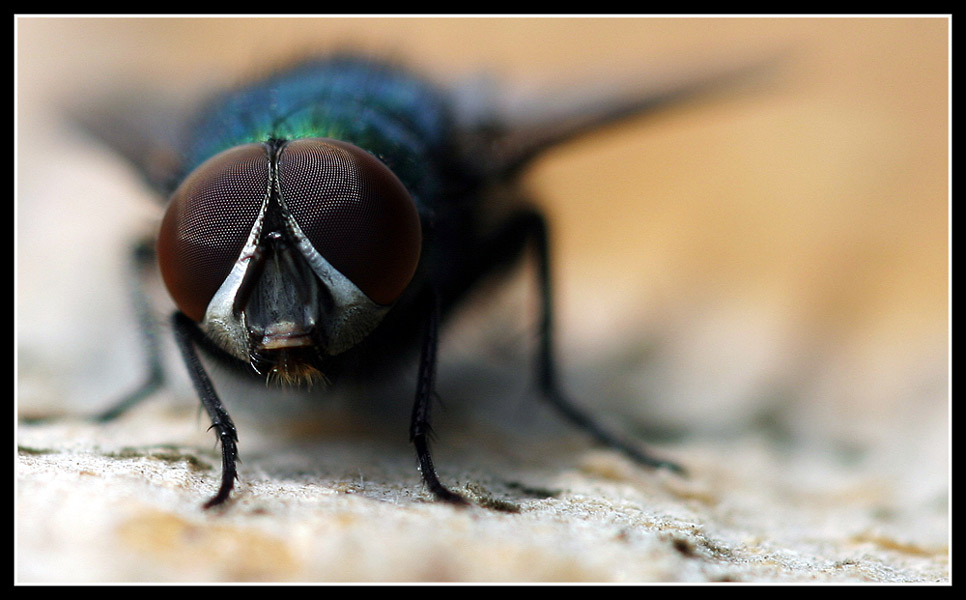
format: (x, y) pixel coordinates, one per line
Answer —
(147, 128)
(510, 135)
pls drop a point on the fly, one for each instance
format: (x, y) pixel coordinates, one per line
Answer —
(324, 221)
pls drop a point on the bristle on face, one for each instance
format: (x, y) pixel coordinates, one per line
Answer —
(288, 368)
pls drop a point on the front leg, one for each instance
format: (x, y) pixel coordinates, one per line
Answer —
(187, 335)
(420, 428)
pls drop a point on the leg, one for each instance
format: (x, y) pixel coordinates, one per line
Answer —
(142, 257)
(536, 227)
(185, 333)
(420, 428)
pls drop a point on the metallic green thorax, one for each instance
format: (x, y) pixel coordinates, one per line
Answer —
(396, 116)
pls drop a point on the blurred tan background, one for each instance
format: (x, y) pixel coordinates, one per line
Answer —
(770, 259)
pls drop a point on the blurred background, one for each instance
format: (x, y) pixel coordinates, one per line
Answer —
(771, 260)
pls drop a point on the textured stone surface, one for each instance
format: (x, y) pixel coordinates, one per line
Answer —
(93, 505)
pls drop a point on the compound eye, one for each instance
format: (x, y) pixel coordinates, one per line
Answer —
(354, 211)
(207, 223)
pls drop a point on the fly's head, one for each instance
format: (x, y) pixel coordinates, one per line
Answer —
(287, 253)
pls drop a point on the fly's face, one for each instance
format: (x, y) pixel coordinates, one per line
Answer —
(289, 252)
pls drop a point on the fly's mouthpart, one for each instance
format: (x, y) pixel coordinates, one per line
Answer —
(289, 367)
(285, 335)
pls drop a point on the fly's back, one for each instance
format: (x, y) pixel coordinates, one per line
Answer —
(393, 114)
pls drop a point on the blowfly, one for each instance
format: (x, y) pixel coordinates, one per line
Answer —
(322, 223)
